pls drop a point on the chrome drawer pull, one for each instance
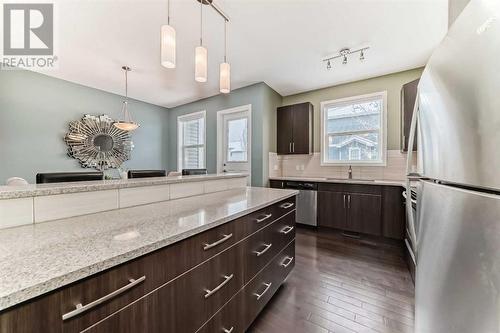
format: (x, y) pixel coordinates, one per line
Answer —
(83, 308)
(262, 219)
(267, 247)
(290, 259)
(286, 230)
(225, 330)
(227, 278)
(286, 205)
(220, 241)
(259, 296)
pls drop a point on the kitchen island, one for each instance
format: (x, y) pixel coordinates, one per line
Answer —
(170, 266)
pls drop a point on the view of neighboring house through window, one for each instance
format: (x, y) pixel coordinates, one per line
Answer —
(237, 140)
(353, 130)
(191, 141)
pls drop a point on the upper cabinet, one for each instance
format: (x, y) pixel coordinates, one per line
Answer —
(295, 129)
(408, 98)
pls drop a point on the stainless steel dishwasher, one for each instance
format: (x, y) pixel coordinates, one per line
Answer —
(307, 201)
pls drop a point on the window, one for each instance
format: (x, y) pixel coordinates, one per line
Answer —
(353, 130)
(191, 141)
(237, 140)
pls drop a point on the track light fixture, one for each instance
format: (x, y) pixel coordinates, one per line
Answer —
(344, 54)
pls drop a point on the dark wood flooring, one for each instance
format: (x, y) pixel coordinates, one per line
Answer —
(341, 285)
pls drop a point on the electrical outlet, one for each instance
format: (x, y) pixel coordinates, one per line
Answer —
(276, 167)
(297, 167)
(302, 167)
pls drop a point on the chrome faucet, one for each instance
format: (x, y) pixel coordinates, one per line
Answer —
(349, 172)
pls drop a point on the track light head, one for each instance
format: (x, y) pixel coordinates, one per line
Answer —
(328, 65)
(345, 60)
(362, 55)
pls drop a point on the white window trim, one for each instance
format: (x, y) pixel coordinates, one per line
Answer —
(180, 120)
(324, 143)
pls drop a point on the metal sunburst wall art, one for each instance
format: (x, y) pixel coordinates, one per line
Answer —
(97, 143)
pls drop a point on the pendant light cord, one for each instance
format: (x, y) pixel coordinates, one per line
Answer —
(225, 41)
(168, 12)
(201, 23)
(126, 85)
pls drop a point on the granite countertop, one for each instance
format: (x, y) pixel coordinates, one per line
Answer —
(39, 258)
(344, 181)
(34, 190)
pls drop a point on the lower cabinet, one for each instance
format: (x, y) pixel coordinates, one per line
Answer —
(368, 209)
(216, 281)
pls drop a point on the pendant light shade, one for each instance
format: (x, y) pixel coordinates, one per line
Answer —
(168, 46)
(225, 68)
(201, 64)
(225, 78)
(126, 124)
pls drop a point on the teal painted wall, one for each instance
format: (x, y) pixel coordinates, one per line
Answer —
(35, 110)
(263, 100)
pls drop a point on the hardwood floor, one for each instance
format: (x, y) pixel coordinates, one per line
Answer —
(341, 285)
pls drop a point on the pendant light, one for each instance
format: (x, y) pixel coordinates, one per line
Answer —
(127, 124)
(225, 68)
(168, 41)
(201, 54)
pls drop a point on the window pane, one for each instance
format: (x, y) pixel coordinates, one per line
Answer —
(237, 140)
(193, 158)
(353, 147)
(193, 132)
(354, 117)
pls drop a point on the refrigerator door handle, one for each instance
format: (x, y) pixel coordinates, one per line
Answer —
(409, 163)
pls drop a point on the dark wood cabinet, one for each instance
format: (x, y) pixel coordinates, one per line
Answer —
(408, 99)
(276, 183)
(197, 282)
(332, 211)
(367, 209)
(364, 213)
(295, 129)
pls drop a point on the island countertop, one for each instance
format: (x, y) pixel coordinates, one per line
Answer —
(35, 190)
(39, 258)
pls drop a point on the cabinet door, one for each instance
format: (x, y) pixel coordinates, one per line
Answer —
(393, 212)
(408, 98)
(302, 124)
(332, 209)
(364, 213)
(276, 183)
(285, 129)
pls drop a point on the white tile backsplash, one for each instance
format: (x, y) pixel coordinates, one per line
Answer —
(310, 166)
(16, 212)
(135, 196)
(53, 207)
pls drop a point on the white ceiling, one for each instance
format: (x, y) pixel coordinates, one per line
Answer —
(280, 42)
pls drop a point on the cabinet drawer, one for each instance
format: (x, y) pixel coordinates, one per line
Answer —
(157, 268)
(263, 286)
(184, 304)
(261, 247)
(228, 319)
(350, 188)
(266, 216)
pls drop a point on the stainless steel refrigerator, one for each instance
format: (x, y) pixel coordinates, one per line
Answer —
(457, 228)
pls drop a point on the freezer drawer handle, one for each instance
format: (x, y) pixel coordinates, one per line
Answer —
(262, 219)
(220, 241)
(267, 247)
(286, 205)
(259, 296)
(83, 308)
(227, 278)
(286, 230)
(225, 330)
(290, 260)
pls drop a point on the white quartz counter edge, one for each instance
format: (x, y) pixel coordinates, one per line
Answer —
(46, 268)
(343, 181)
(35, 190)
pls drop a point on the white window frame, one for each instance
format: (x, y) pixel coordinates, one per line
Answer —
(180, 136)
(324, 141)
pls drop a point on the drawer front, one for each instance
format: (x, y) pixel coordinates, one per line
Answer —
(184, 304)
(350, 188)
(263, 286)
(266, 216)
(157, 269)
(228, 319)
(284, 230)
